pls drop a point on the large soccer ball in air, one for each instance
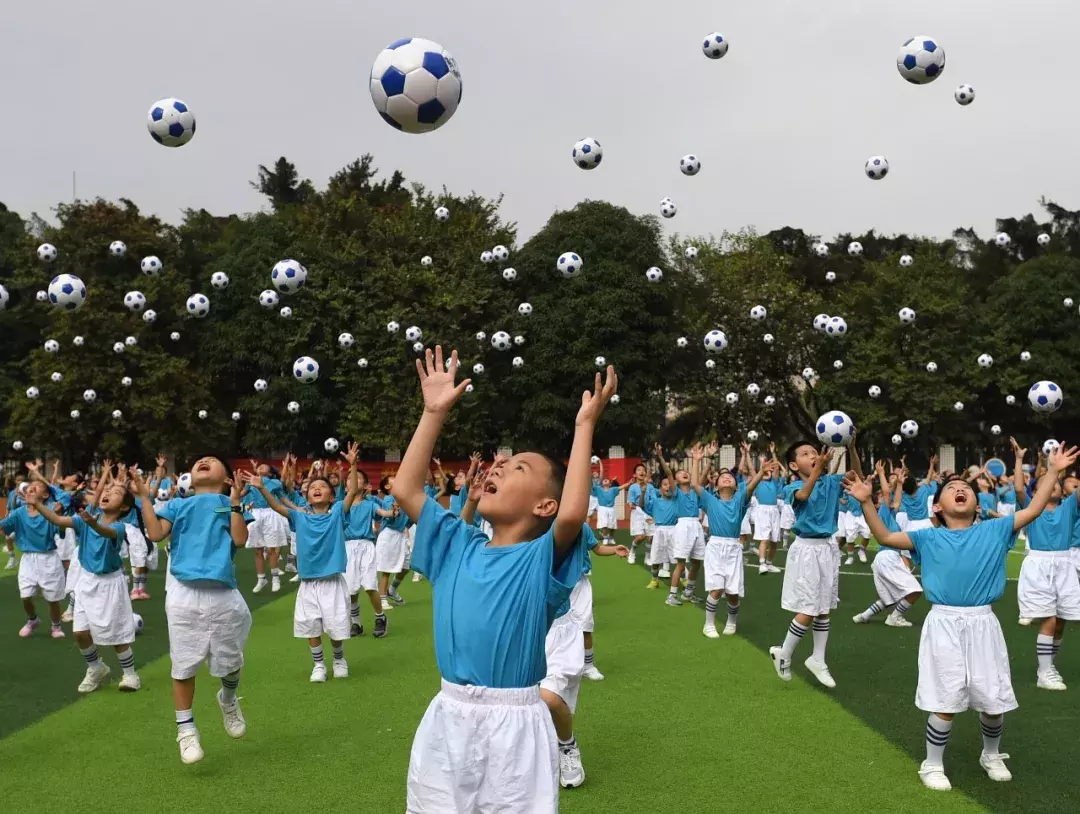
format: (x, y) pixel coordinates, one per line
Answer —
(835, 429)
(183, 485)
(198, 305)
(509, 275)
(753, 390)
(32, 393)
(758, 313)
(569, 264)
(820, 321)
(691, 252)
(909, 429)
(392, 327)
(170, 122)
(897, 440)
(305, 370)
(442, 214)
(654, 275)
(588, 153)
(964, 94)
(268, 298)
(921, 60)
(1002, 240)
(135, 301)
(415, 85)
(331, 445)
(413, 333)
(715, 46)
(906, 260)
(1043, 239)
(836, 326)
(690, 165)
(260, 385)
(876, 167)
(855, 248)
(46, 252)
(219, 280)
(500, 340)
(67, 291)
(668, 208)
(117, 248)
(985, 360)
(151, 266)
(715, 341)
(345, 341)
(288, 276)
(1045, 397)
(907, 316)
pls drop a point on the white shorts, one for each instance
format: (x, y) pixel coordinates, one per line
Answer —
(322, 606)
(581, 604)
(66, 544)
(902, 521)
(138, 548)
(605, 517)
(787, 517)
(565, 649)
(767, 523)
(103, 607)
(857, 528)
(208, 624)
(74, 572)
(42, 571)
(391, 549)
(963, 662)
(594, 504)
(641, 525)
(360, 571)
(663, 545)
(745, 528)
(689, 542)
(1006, 509)
(292, 543)
(892, 579)
(1074, 554)
(485, 527)
(724, 566)
(268, 530)
(170, 580)
(154, 558)
(918, 525)
(480, 749)
(811, 577)
(1048, 586)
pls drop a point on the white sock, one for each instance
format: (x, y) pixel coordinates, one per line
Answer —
(710, 611)
(821, 638)
(339, 653)
(228, 687)
(873, 610)
(185, 721)
(127, 661)
(1057, 647)
(733, 613)
(937, 738)
(795, 633)
(991, 732)
(1044, 651)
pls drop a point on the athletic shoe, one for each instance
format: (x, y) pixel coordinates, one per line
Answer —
(571, 772)
(896, 620)
(761, 569)
(190, 748)
(68, 616)
(259, 585)
(275, 584)
(96, 676)
(729, 628)
(134, 595)
(994, 765)
(697, 600)
(417, 576)
(30, 626)
(592, 673)
(290, 568)
(10, 564)
(933, 776)
(653, 583)
(380, 627)
(849, 559)
(859, 619)
(233, 718)
(710, 632)
(294, 580)
(772, 569)
(673, 600)
(386, 605)
(397, 599)
(631, 558)
(356, 630)
(1050, 679)
(318, 673)
(688, 595)
(143, 594)
(56, 632)
(664, 573)
(782, 665)
(341, 668)
(862, 554)
(1023, 621)
(129, 682)
(820, 671)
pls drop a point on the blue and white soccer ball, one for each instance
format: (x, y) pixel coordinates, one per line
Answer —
(964, 95)
(183, 485)
(198, 305)
(921, 60)
(569, 264)
(293, 407)
(732, 399)
(117, 248)
(305, 369)
(854, 248)
(32, 393)
(413, 333)
(820, 321)
(47, 253)
(288, 276)
(836, 326)
(715, 46)
(809, 374)
(835, 429)
(89, 396)
(1045, 397)
(876, 167)
(268, 298)
(1002, 240)
(260, 385)
(151, 266)
(758, 313)
(500, 340)
(415, 85)
(67, 291)
(753, 390)
(909, 429)
(1050, 446)
(137, 618)
(285, 313)
(135, 301)
(219, 280)
(587, 153)
(906, 260)
(654, 275)
(690, 165)
(392, 327)
(170, 122)
(715, 341)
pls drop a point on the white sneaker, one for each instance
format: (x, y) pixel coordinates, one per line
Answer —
(859, 619)
(318, 673)
(275, 584)
(592, 673)
(190, 748)
(710, 632)
(729, 628)
(762, 568)
(233, 718)
(10, 564)
(820, 671)
(259, 585)
(341, 668)
(129, 682)
(67, 616)
(896, 620)
(782, 665)
(632, 556)
(673, 600)
(862, 554)
(995, 768)
(1023, 621)
(1050, 680)
(294, 579)
(571, 772)
(664, 573)
(772, 569)
(96, 675)
(417, 576)
(386, 605)
(933, 776)
(849, 560)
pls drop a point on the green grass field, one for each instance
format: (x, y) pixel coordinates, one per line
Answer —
(681, 722)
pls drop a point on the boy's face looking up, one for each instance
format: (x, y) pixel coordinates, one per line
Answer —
(805, 460)
(640, 473)
(682, 477)
(957, 502)
(520, 487)
(320, 493)
(210, 472)
(606, 482)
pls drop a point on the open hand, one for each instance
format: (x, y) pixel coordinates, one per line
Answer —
(352, 453)
(594, 402)
(1020, 452)
(136, 485)
(622, 551)
(857, 487)
(253, 480)
(1062, 458)
(437, 381)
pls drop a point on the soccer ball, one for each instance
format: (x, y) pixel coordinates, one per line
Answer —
(305, 370)
(392, 327)
(931, 367)
(715, 46)
(170, 122)
(820, 321)
(413, 333)
(1001, 240)
(964, 94)
(715, 341)
(654, 275)
(821, 250)
(1067, 302)
(117, 248)
(1025, 356)
(1043, 239)
(909, 429)
(125, 382)
(752, 390)
(32, 392)
(77, 342)
(134, 300)
(42, 295)
(500, 340)
(415, 85)
(958, 406)
(426, 261)
(588, 153)
(118, 347)
(268, 298)
(600, 361)
(518, 362)
(4, 297)
(346, 341)
(995, 429)
(519, 340)
(117, 415)
(854, 249)
(682, 342)
(235, 416)
(768, 339)
(710, 364)
(131, 341)
(906, 260)
(149, 316)
(151, 266)
(68, 292)
(907, 316)
(75, 414)
(288, 276)
(1050, 446)
(293, 407)
(478, 368)
(57, 376)
(509, 275)
(836, 326)
(835, 429)
(285, 312)
(732, 399)
(137, 618)
(758, 313)
(486, 256)
(331, 445)
(986, 360)
(468, 388)
(89, 396)
(525, 309)
(921, 60)
(874, 391)
(219, 280)
(17, 446)
(501, 253)
(183, 485)
(569, 264)
(260, 385)
(752, 436)
(442, 214)
(830, 276)
(198, 305)
(480, 336)
(668, 208)
(770, 401)
(838, 365)
(362, 362)
(690, 165)
(47, 253)
(203, 415)
(690, 252)
(876, 167)
(1010, 400)
(897, 440)
(51, 346)
(808, 373)
(1045, 397)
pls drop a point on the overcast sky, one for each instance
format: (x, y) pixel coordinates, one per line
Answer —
(782, 124)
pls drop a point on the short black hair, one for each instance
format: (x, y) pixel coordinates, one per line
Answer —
(910, 485)
(557, 478)
(793, 450)
(941, 488)
(226, 488)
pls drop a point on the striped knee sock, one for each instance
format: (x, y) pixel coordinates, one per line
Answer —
(992, 727)
(339, 652)
(732, 613)
(902, 607)
(316, 654)
(821, 638)
(710, 611)
(874, 609)
(127, 661)
(1057, 648)
(1044, 651)
(937, 738)
(228, 687)
(589, 657)
(354, 612)
(90, 654)
(795, 632)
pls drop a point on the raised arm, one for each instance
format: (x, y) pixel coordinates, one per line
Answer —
(856, 462)
(803, 494)
(92, 522)
(663, 464)
(1018, 473)
(156, 528)
(931, 472)
(256, 482)
(1058, 462)
(352, 485)
(860, 490)
(697, 455)
(238, 529)
(54, 518)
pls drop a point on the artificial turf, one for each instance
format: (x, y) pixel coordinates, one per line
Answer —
(681, 721)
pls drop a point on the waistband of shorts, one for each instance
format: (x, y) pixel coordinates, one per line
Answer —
(491, 696)
(954, 610)
(725, 541)
(560, 621)
(769, 506)
(1049, 555)
(814, 540)
(52, 552)
(687, 519)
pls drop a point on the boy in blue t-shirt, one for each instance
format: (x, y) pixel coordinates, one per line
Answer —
(360, 571)
(641, 525)
(606, 493)
(487, 741)
(269, 531)
(688, 540)
(40, 567)
(963, 660)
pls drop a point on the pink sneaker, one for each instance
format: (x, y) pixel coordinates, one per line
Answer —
(135, 593)
(143, 594)
(30, 626)
(57, 633)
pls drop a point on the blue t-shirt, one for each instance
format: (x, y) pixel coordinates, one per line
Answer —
(590, 543)
(987, 504)
(725, 516)
(815, 518)
(854, 507)
(964, 567)
(200, 542)
(14, 500)
(1007, 494)
(767, 492)
(296, 497)
(605, 497)
(888, 517)
(493, 605)
(687, 503)
(360, 525)
(663, 510)
(1053, 529)
(916, 506)
(320, 541)
(844, 502)
(458, 501)
(32, 532)
(635, 496)
(431, 490)
(255, 497)
(98, 554)
(399, 523)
